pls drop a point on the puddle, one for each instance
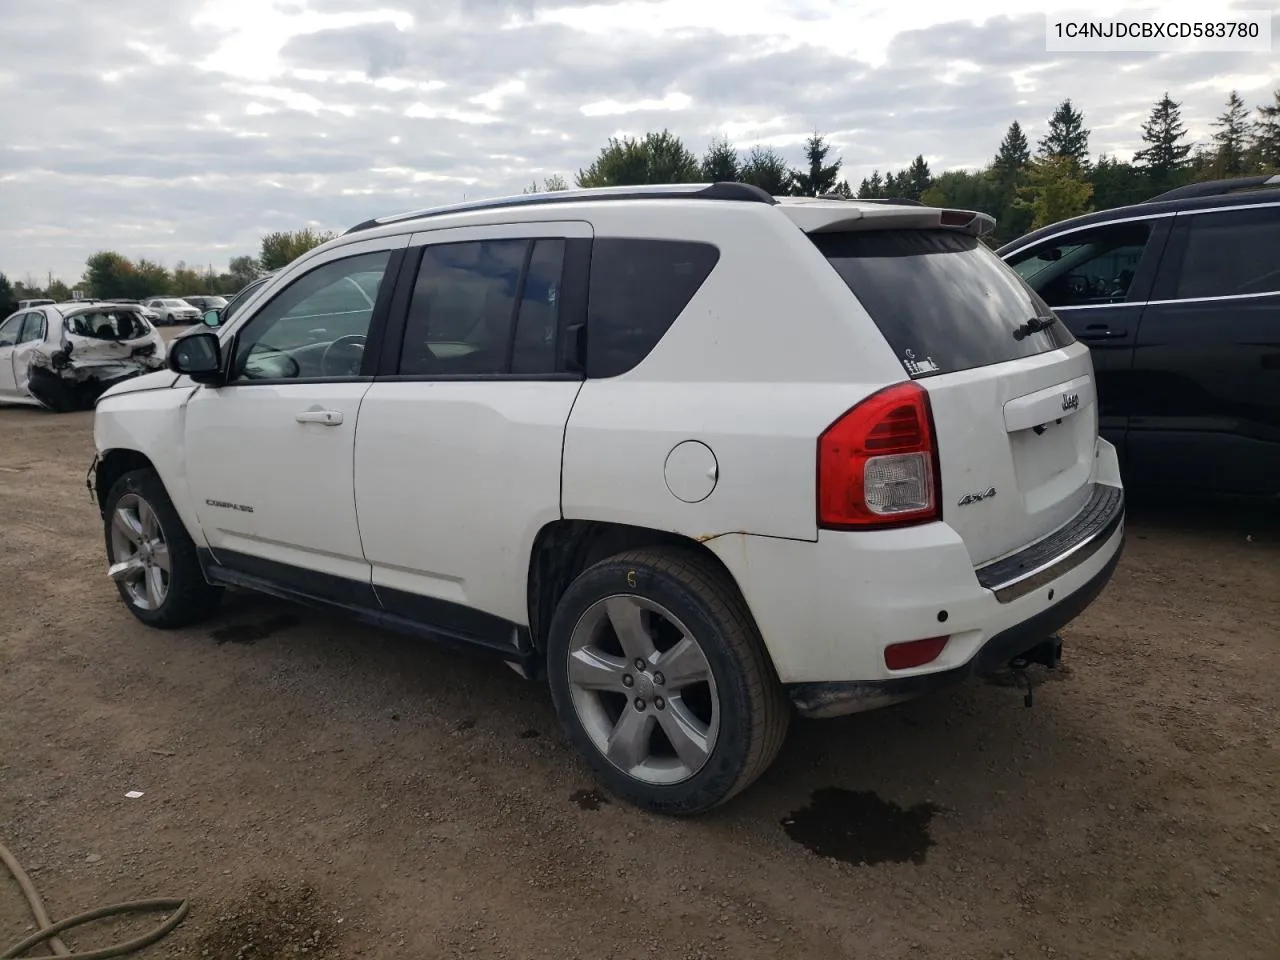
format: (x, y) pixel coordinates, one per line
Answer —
(529, 734)
(860, 828)
(253, 632)
(588, 799)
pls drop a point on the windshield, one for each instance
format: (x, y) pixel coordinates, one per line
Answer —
(942, 300)
(240, 298)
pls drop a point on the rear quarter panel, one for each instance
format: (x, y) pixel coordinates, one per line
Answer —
(770, 350)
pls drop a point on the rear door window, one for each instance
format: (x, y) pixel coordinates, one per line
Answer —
(942, 300)
(485, 308)
(1230, 254)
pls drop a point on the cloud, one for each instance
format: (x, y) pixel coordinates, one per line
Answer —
(184, 129)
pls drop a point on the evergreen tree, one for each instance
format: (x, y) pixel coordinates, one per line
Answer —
(1230, 140)
(1067, 136)
(1167, 154)
(871, 188)
(720, 164)
(1012, 156)
(966, 190)
(1117, 183)
(916, 179)
(820, 177)
(1264, 150)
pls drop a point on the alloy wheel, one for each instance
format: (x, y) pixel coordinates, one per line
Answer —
(643, 689)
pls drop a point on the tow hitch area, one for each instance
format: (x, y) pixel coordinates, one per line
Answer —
(1047, 653)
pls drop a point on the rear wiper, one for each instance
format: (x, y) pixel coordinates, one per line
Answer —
(1034, 325)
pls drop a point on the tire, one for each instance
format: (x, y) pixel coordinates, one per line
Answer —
(739, 715)
(138, 506)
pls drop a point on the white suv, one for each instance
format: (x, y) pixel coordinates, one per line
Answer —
(693, 454)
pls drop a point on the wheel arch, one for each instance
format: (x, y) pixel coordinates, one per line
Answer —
(564, 548)
(111, 466)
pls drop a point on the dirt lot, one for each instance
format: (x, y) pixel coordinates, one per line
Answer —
(322, 790)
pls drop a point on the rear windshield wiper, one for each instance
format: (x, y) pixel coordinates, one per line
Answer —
(1034, 325)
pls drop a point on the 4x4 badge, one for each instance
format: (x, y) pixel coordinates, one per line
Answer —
(1070, 401)
(977, 497)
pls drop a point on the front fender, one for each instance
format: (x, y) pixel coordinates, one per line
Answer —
(152, 423)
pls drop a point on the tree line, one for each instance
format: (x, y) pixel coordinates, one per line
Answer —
(112, 275)
(1023, 189)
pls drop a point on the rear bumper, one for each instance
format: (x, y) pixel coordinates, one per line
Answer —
(821, 700)
(828, 609)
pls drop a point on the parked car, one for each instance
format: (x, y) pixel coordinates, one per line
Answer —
(29, 304)
(687, 452)
(171, 310)
(1179, 299)
(63, 356)
(217, 316)
(206, 303)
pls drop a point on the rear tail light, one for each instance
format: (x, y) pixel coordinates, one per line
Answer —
(878, 464)
(913, 653)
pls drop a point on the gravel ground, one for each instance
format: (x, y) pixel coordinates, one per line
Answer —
(319, 789)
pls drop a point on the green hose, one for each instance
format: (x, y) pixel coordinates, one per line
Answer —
(48, 932)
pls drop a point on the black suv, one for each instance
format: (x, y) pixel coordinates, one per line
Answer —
(1179, 300)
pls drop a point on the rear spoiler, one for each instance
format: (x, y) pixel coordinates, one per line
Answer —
(839, 216)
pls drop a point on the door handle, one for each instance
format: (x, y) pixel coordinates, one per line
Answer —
(1100, 331)
(330, 418)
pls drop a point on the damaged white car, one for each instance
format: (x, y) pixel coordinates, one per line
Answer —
(63, 356)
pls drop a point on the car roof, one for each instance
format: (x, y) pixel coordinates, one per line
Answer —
(1212, 195)
(810, 214)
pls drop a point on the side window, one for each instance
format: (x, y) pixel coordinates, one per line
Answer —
(637, 289)
(316, 326)
(1231, 253)
(485, 307)
(33, 329)
(10, 329)
(539, 316)
(1089, 267)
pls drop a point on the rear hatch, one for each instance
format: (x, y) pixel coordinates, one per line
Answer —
(1014, 404)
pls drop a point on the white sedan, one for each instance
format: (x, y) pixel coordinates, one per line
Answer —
(63, 356)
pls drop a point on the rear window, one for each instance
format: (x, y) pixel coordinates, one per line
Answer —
(942, 300)
(107, 325)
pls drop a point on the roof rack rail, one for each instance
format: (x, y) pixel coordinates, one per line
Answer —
(674, 191)
(1216, 188)
(895, 201)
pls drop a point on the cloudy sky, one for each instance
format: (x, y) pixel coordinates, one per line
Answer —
(185, 129)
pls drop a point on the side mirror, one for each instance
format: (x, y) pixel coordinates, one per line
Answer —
(198, 356)
(212, 318)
